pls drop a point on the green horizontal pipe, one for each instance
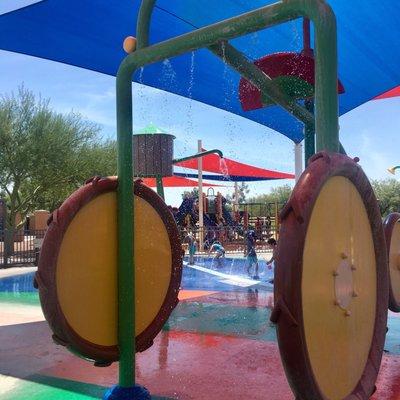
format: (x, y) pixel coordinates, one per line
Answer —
(251, 72)
(198, 155)
(228, 29)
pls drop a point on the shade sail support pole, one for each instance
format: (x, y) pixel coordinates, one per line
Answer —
(298, 160)
(200, 183)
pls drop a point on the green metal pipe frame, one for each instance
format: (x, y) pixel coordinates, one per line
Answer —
(341, 149)
(251, 72)
(143, 23)
(198, 155)
(326, 121)
(392, 170)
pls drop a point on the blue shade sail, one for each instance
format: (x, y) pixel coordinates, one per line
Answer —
(89, 34)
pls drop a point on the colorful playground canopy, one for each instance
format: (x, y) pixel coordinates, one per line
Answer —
(89, 34)
(230, 170)
(227, 178)
(174, 181)
(395, 92)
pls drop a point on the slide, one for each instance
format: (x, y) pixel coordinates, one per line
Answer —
(185, 208)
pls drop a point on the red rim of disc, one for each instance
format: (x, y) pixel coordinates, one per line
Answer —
(288, 312)
(46, 274)
(388, 225)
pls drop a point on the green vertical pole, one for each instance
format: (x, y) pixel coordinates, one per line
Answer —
(326, 98)
(309, 134)
(143, 23)
(341, 149)
(160, 187)
(126, 275)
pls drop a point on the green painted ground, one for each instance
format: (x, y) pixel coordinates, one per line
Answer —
(248, 322)
(31, 298)
(40, 387)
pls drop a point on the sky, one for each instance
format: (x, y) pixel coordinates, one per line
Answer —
(370, 132)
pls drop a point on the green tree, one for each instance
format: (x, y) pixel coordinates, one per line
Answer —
(387, 192)
(95, 159)
(243, 191)
(191, 193)
(44, 156)
(278, 194)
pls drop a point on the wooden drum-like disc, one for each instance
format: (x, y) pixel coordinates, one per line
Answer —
(77, 274)
(331, 283)
(391, 226)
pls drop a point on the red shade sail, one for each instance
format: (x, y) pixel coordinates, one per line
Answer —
(390, 93)
(174, 181)
(212, 163)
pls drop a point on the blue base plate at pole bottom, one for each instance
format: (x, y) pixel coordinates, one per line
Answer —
(136, 392)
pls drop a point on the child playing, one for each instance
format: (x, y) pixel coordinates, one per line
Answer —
(220, 252)
(192, 244)
(251, 254)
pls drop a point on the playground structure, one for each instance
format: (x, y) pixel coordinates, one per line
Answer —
(263, 218)
(214, 210)
(228, 226)
(333, 191)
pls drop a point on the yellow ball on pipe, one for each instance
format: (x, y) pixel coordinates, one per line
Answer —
(129, 44)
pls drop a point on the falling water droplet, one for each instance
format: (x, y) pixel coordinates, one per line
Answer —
(140, 78)
(190, 96)
(223, 168)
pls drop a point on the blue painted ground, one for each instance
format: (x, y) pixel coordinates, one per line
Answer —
(18, 283)
(229, 275)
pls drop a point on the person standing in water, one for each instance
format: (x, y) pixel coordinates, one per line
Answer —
(192, 245)
(251, 253)
(220, 253)
(271, 242)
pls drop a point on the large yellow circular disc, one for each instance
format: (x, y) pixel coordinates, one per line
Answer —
(394, 261)
(338, 330)
(87, 269)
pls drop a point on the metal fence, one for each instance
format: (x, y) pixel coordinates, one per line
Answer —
(23, 250)
(26, 244)
(231, 238)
